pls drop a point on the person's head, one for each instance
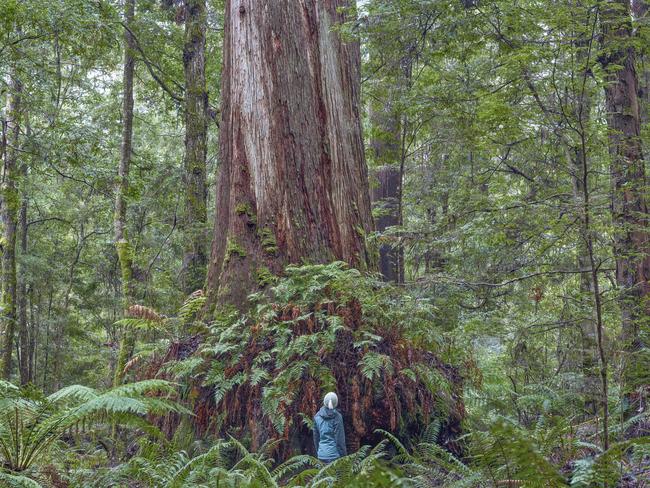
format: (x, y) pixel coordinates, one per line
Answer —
(331, 400)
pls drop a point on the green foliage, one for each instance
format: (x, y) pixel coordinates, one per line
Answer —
(191, 308)
(30, 427)
(234, 249)
(509, 452)
(373, 364)
(18, 481)
(267, 239)
(229, 464)
(605, 468)
(264, 276)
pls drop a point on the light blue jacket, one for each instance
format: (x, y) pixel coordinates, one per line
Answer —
(329, 434)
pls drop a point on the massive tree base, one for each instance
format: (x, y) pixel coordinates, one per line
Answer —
(263, 375)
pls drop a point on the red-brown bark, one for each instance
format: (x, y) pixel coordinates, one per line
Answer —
(629, 184)
(293, 181)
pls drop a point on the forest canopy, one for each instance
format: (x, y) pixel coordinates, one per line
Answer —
(215, 212)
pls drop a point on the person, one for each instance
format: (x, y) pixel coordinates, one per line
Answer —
(329, 434)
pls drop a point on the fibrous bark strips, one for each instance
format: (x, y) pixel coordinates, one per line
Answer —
(293, 182)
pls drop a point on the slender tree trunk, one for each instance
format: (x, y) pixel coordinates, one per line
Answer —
(406, 67)
(641, 11)
(122, 245)
(293, 182)
(22, 301)
(195, 257)
(597, 312)
(629, 184)
(47, 341)
(594, 358)
(578, 160)
(10, 206)
(60, 333)
(34, 321)
(588, 346)
(400, 201)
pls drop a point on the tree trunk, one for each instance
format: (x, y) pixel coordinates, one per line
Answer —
(588, 346)
(46, 358)
(293, 180)
(641, 11)
(22, 301)
(385, 195)
(10, 206)
(578, 160)
(195, 257)
(34, 321)
(385, 192)
(629, 206)
(122, 245)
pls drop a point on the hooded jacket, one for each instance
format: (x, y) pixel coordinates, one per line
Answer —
(329, 435)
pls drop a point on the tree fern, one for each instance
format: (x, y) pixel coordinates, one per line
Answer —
(508, 452)
(28, 428)
(374, 364)
(604, 467)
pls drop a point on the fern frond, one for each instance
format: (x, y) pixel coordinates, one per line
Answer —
(145, 313)
(295, 465)
(18, 481)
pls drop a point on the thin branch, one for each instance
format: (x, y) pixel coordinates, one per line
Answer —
(155, 258)
(48, 219)
(150, 67)
(513, 280)
(19, 40)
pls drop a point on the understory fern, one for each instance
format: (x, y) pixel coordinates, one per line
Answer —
(30, 426)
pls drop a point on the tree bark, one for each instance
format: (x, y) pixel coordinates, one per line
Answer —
(195, 257)
(10, 206)
(34, 322)
(293, 179)
(122, 245)
(385, 196)
(629, 185)
(385, 148)
(641, 12)
(24, 341)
